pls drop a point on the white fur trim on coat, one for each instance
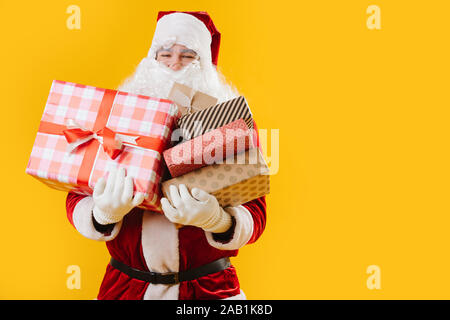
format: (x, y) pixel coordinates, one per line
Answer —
(82, 220)
(242, 232)
(162, 292)
(161, 253)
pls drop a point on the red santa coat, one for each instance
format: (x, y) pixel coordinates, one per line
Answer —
(148, 241)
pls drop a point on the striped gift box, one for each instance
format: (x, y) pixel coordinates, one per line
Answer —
(200, 122)
(147, 121)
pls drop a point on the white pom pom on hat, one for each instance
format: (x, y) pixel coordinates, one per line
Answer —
(193, 29)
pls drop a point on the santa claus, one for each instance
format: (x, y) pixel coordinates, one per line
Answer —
(183, 253)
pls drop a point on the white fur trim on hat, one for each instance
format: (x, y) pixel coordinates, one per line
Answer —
(185, 29)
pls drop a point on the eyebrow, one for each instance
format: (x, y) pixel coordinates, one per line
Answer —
(188, 51)
(182, 51)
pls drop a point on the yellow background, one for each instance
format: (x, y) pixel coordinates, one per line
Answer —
(363, 121)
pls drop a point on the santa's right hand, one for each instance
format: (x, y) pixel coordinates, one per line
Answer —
(113, 198)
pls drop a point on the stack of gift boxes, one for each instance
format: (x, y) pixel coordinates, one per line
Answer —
(219, 153)
(86, 131)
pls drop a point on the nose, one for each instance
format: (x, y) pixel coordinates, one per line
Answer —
(175, 63)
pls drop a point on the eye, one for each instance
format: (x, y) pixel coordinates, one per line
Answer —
(165, 55)
(188, 57)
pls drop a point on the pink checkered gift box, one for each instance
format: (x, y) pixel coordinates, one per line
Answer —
(86, 131)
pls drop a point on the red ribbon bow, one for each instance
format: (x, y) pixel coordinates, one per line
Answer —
(78, 136)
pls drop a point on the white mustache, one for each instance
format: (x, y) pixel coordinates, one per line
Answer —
(154, 78)
(192, 68)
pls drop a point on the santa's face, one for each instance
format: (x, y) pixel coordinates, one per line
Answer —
(155, 76)
(176, 57)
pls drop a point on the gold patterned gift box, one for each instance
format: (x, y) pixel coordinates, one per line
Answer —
(235, 181)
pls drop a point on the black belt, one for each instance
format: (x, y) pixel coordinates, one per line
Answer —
(172, 277)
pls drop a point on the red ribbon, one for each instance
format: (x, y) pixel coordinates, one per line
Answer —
(73, 135)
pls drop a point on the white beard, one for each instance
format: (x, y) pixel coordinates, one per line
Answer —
(154, 79)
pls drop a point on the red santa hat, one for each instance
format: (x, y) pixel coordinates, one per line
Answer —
(193, 29)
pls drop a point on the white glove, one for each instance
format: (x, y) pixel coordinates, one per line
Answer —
(201, 209)
(114, 199)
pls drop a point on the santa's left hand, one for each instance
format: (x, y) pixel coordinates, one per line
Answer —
(198, 209)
